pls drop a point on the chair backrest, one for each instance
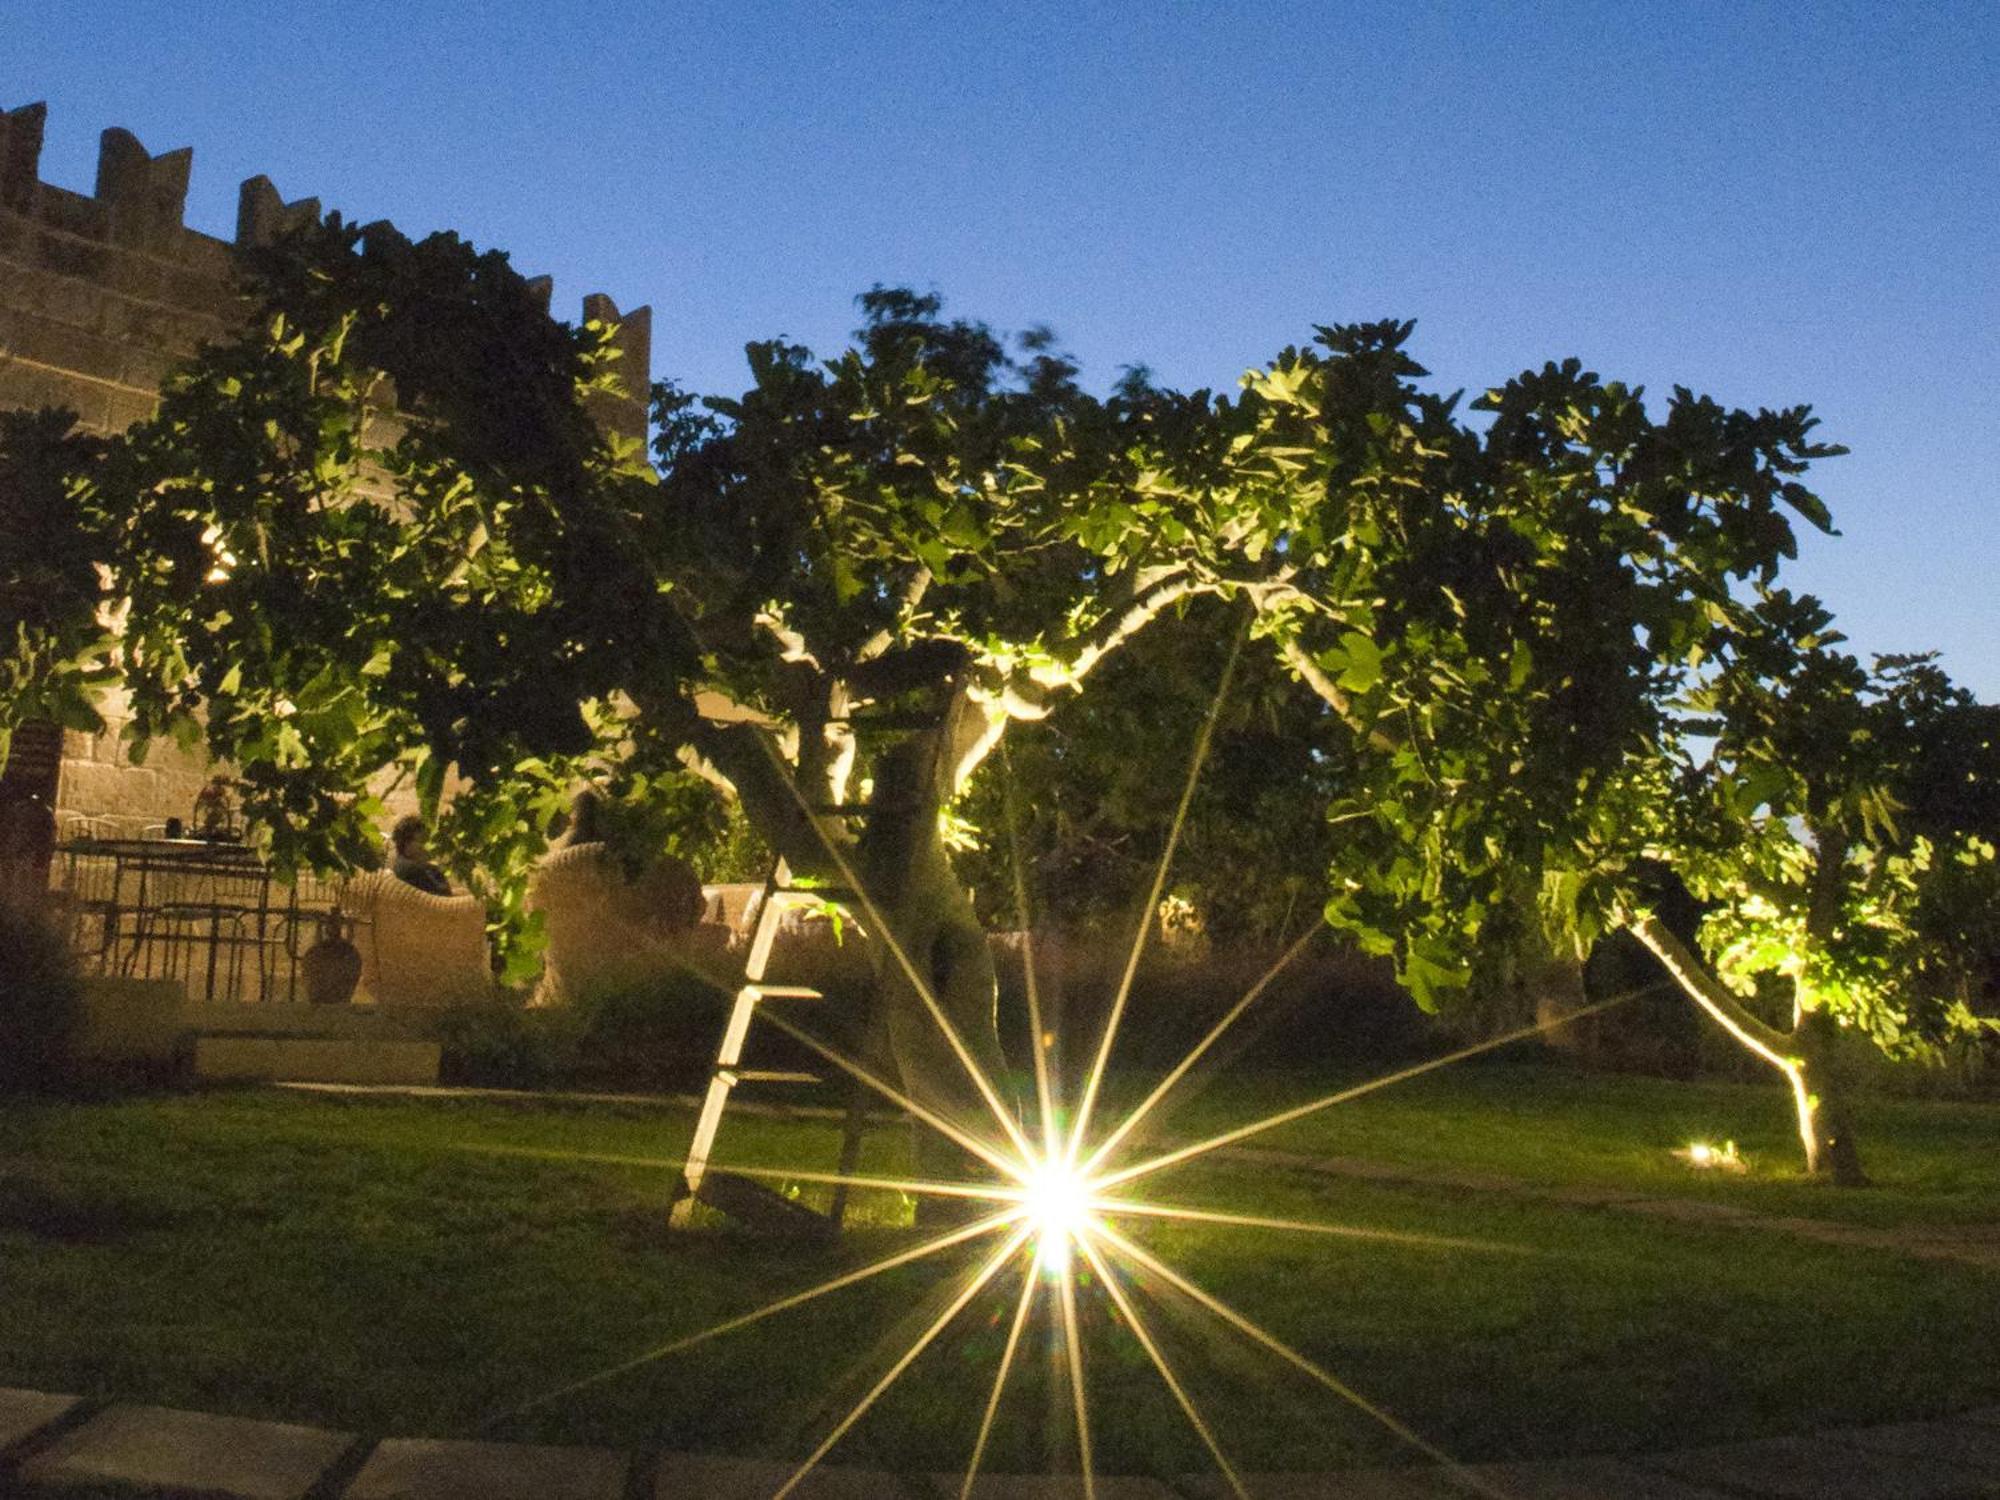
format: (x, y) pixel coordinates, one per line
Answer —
(417, 949)
(605, 932)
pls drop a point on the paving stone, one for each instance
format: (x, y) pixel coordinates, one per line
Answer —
(1044, 1487)
(1815, 1468)
(185, 1450)
(1587, 1479)
(694, 1476)
(25, 1413)
(425, 1469)
(1408, 1483)
(1974, 1444)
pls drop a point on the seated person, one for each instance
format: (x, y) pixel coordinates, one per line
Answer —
(411, 863)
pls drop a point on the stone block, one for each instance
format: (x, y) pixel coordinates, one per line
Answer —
(314, 1060)
(1586, 1479)
(694, 1476)
(149, 325)
(1817, 1468)
(122, 408)
(1401, 1483)
(25, 1413)
(64, 346)
(278, 1018)
(122, 791)
(131, 1020)
(1046, 1487)
(142, 369)
(425, 1469)
(25, 386)
(71, 255)
(159, 1448)
(72, 213)
(205, 291)
(63, 298)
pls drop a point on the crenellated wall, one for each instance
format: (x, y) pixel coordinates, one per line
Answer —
(100, 295)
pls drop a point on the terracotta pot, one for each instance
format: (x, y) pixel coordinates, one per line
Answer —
(331, 967)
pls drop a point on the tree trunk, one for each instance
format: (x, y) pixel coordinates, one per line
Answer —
(1825, 1114)
(1805, 1057)
(909, 876)
(1815, 1035)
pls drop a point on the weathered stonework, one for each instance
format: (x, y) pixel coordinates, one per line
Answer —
(100, 295)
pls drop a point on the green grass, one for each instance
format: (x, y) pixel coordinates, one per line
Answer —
(1932, 1163)
(401, 1268)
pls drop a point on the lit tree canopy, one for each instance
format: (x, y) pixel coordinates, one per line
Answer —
(381, 534)
(1530, 631)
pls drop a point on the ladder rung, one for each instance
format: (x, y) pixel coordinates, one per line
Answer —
(812, 895)
(773, 1075)
(765, 991)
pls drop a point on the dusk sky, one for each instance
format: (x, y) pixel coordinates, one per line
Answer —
(1772, 203)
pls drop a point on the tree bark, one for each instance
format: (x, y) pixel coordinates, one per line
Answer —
(1804, 1056)
(908, 875)
(1815, 1034)
(1818, 1044)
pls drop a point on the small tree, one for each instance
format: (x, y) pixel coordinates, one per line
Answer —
(1525, 630)
(379, 536)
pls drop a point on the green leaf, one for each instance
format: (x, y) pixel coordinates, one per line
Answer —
(1364, 662)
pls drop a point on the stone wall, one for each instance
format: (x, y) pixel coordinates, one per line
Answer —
(100, 295)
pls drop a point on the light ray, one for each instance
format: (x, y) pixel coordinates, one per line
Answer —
(938, 1325)
(1300, 1111)
(1073, 1348)
(1145, 1340)
(919, 1185)
(880, 928)
(1095, 1078)
(1275, 1345)
(1044, 1091)
(959, 1236)
(1131, 1121)
(999, 1161)
(1028, 1285)
(1119, 1206)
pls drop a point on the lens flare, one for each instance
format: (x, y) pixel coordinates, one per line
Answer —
(1053, 1204)
(1058, 1204)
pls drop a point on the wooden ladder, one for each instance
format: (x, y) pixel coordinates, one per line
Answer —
(740, 1197)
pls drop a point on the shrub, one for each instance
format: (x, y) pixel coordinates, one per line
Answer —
(500, 1043)
(41, 1005)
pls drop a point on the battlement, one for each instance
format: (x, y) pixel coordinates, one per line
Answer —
(101, 293)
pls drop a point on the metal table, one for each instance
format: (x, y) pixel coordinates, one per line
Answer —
(210, 914)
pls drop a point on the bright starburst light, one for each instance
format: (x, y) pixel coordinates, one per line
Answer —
(1055, 1205)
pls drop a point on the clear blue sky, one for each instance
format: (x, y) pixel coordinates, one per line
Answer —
(1775, 203)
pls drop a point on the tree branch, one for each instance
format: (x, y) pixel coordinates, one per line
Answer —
(1708, 992)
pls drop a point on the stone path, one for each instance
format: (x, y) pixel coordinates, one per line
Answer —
(52, 1442)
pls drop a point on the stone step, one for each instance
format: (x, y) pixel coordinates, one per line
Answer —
(426, 1469)
(268, 1059)
(368, 1023)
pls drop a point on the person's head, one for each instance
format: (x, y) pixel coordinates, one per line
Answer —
(407, 837)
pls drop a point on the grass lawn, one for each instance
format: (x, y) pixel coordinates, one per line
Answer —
(402, 1268)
